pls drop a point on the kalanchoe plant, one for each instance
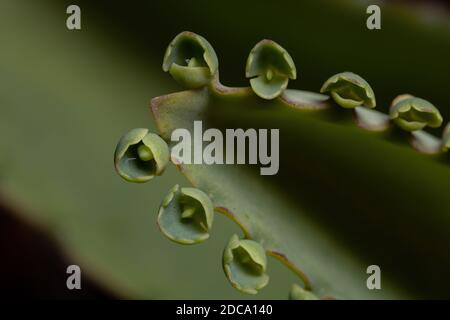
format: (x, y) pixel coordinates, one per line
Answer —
(140, 155)
(191, 60)
(245, 263)
(352, 161)
(411, 113)
(186, 215)
(349, 90)
(269, 67)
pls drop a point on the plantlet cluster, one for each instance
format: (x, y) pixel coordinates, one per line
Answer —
(186, 214)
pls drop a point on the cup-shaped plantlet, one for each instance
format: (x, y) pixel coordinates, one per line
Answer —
(140, 155)
(186, 215)
(446, 138)
(298, 293)
(411, 113)
(269, 67)
(245, 263)
(349, 90)
(191, 60)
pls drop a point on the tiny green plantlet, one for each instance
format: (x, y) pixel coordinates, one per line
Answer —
(186, 215)
(245, 263)
(349, 90)
(140, 155)
(349, 182)
(298, 293)
(411, 113)
(269, 67)
(191, 60)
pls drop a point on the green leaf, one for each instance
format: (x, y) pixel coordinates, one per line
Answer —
(332, 206)
(59, 126)
(86, 88)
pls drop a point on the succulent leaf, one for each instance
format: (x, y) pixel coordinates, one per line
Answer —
(269, 67)
(411, 113)
(251, 204)
(245, 263)
(191, 60)
(186, 215)
(140, 155)
(251, 200)
(349, 90)
(17, 177)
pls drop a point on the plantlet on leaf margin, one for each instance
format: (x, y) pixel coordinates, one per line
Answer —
(298, 293)
(191, 60)
(411, 113)
(270, 67)
(349, 90)
(186, 215)
(140, 155)
(245, 263)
